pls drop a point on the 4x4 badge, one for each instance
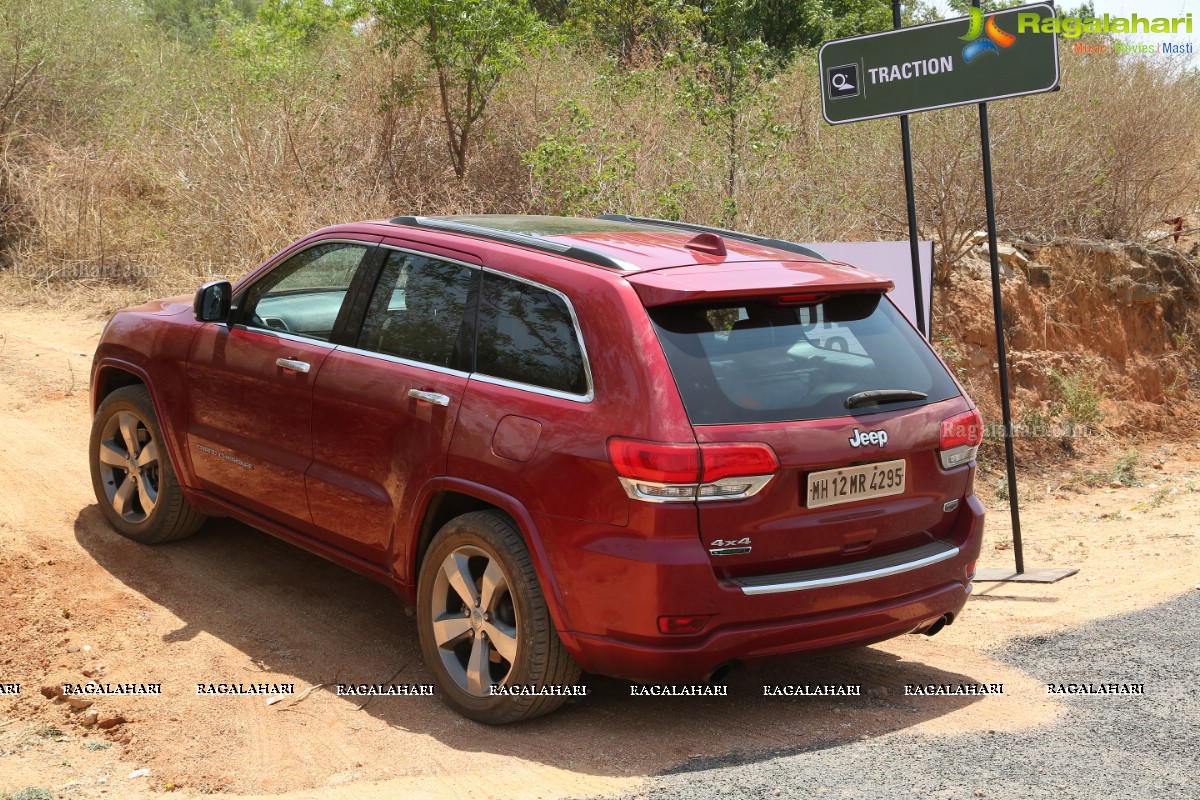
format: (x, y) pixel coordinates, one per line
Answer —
(862, 439)
(729, 547)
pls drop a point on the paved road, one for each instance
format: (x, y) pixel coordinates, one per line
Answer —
(1103, 747)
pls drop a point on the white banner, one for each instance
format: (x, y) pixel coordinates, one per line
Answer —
(893, 260)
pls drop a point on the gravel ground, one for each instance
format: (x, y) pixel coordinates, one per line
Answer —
(1103, 747)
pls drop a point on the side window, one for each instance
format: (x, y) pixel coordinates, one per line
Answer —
(526, 335)
(304, 294)
(416, 311)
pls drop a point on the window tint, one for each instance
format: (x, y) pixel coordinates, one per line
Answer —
(526, 334)
(760, 362)
(416, 311)
(304, 294)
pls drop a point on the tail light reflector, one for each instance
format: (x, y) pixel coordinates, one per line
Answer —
(689, 624)
(960, 439)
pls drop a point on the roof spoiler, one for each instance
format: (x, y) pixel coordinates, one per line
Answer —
(787, 283)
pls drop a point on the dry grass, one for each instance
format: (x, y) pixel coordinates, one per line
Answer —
(189, 166)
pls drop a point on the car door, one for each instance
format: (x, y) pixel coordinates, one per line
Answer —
(250, 382)
(384, 409)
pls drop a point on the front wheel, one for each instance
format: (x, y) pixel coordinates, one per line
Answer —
(483, 622)
(132, 474)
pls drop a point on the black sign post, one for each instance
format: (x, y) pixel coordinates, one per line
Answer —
(910, 197)
(926, 67)
(1010, 458)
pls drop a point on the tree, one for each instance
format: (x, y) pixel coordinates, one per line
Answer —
(626, 28)
(304, 22)
(469, 45)
(727, 88)
(788, 25)
(282, 32)
(195, 21)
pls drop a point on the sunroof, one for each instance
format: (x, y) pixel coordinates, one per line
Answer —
(531, 225)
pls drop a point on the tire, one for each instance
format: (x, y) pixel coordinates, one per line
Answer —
(136, 486)
(461, 626)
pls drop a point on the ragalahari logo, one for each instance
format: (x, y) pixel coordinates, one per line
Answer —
(976, 46)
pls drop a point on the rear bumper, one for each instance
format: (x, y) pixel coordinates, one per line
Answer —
(755, 643)
(615, 606)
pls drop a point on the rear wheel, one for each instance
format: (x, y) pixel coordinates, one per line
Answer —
(132, 475)
(483, 622)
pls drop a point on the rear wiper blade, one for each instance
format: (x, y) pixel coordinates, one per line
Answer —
(877, 397)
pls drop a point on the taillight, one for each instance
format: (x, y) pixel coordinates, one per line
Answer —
(650, 461)
(665, 473)
(733, 460)
(961, 436)
(734, 470)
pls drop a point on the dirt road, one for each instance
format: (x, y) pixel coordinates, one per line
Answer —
(234, 605)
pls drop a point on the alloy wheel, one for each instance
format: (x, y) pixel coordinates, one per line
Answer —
(474, 619)
(129, 466)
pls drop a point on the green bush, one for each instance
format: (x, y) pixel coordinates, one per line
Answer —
(1078, 398)
(1125, 469)
(32, 793)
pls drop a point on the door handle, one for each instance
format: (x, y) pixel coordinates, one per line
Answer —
(293, 364)
(429, 397)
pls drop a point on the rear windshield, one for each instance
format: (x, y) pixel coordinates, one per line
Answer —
(761, 362)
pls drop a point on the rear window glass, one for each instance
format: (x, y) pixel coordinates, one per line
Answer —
(761, 362)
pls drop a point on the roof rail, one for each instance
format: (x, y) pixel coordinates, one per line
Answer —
(533, 242)
(778, 244)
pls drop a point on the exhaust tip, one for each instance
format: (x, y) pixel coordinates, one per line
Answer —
(720, 673)
(936, 627)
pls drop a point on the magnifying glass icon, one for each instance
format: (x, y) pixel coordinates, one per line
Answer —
(840, 83)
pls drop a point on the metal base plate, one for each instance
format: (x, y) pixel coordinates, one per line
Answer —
(1003, 574)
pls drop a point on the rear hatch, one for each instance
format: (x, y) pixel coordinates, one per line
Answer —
(869, 430)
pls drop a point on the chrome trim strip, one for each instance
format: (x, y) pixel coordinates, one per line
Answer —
(403, 361)
(528, 387)
(854, 577)
(290, 337)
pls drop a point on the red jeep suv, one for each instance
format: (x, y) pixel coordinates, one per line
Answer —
(639, 448)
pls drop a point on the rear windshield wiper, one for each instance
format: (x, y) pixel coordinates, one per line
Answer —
(877, 397)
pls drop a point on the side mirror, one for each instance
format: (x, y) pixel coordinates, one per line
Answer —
(212, 302)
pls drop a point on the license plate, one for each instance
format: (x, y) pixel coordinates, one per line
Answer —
(835, 486)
